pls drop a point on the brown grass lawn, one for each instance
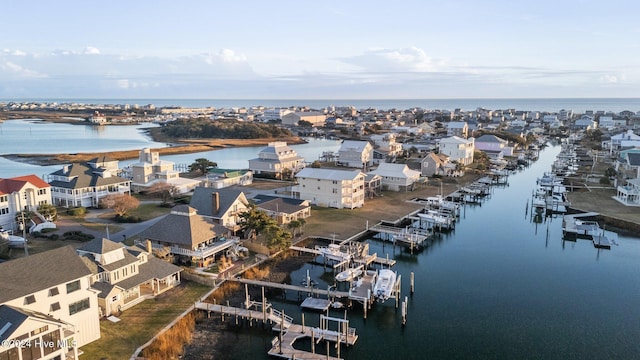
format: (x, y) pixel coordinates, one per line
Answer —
(140, 323)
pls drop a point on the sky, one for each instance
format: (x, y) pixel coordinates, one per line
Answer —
(328, 49)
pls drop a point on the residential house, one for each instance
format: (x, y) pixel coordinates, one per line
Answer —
(123, 276)
(356, 154)
(22, 193)
(190, 238)
(458, 149)
(222, 178)
(150, 170)
(47, 297)
(222, 206)
(386, 144)
(629, 193)
(495, 147)
(275, 160)
(372, 185)
(314, 117)
(85, 184)
(458, 128)
(620, 141)
(397, 177)
(431, 164)
(283, 210)
(585, 123)
(342, 189)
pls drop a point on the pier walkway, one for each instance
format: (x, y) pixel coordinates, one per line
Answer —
(307, 289)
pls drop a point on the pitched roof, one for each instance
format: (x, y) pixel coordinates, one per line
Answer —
(279, 204)
(490, 138)
(12, 317)
(395, 170)
(634, 159)
(26, 275)
(83, 176)
(100, 246)
(354, 145)
(202, 200)
(183, 226)
(328, 174)
(7, 186)
(154, 268)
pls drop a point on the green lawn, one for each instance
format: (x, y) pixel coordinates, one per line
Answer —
(140, 323)
(149, 211)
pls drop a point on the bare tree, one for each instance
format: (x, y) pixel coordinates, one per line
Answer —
(120, 203)
(164, 191)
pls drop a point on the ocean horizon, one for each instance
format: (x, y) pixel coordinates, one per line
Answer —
(577, 105)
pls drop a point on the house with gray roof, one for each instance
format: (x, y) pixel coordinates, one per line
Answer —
(282, 209)
(124, 277)
(397, 177)
(355, 154)
(341, 189)
(85, 184)
(222, 206)
(48, 296)
(274, 160)
(190, 237)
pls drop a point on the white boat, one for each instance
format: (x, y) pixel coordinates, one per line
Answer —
(12, 240)
(384, 285)
(349, 274)
(334, 252)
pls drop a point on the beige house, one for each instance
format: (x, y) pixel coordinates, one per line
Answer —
(150, 170)
(342, 189)
(274, 159)
(283, 210)
(222, 206)
(313, 117)
(125, 276)
(47, 297)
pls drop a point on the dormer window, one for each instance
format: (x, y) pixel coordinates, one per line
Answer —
(29, 299)
(54, 291)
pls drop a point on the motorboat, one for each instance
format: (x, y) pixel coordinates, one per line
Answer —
(349, 274)
(383, 288)
(334, 252)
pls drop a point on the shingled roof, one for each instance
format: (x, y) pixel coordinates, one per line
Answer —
(203, 200)
(26, 275)
(183, 226)
(83, 176)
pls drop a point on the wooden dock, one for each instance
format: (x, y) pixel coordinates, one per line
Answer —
(572, 225)
(307, 289)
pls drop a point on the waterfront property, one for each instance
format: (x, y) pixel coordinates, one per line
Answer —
(23, 193)
(189, 237)
(396, 177)
(276, 159)
(458, 149)
(356, 154)
(150, 170)
(222, 206)
(125, 276)
(342, 189)
(47, 297)
(283, 210)
(85, 184)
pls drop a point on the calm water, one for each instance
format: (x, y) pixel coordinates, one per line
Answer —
(552, 105)
(40, 137)
(499, 287)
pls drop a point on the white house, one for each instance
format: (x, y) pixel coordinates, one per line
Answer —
(458, 128)
(356, 154)
(275, 159)
(150, 170)
(47, 297)
(493, 146)
(458, 149)
(314, 117)
(396, 177)
(387, 144)
(18, 193)
(342, 189)
(617, 142)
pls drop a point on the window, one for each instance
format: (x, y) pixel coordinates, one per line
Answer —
(4, 211)
(73, 286)
(42, 191)
(76, 307)
(39, 330)
(51, 338)
(54, 307)
(4, 198)
(29, 299)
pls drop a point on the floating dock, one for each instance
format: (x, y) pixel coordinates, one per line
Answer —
(573, 225)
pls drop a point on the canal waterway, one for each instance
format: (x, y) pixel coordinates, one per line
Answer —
(502, 285)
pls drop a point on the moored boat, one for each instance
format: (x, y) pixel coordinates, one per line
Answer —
(383, 288)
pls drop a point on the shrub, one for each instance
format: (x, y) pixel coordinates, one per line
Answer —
(54, 236)
(128, 219)
(77, 235)
(79, 211)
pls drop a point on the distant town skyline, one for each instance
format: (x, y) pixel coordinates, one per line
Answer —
(320, 50)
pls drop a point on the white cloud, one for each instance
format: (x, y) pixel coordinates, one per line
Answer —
(90, 50)
(20, 71)
(411, 59)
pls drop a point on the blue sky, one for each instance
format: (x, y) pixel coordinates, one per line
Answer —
(320, 49)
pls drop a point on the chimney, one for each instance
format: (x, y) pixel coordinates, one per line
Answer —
(149, 247)
(215, 203)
